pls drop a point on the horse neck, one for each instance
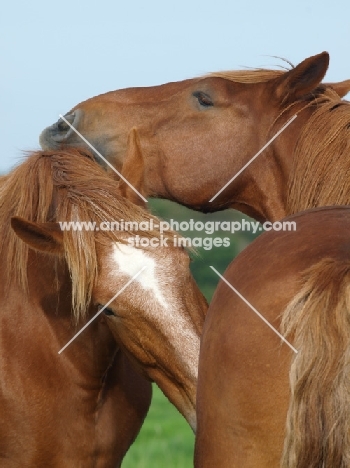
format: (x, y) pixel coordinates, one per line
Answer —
(280, 154)
(160, 316)
(196, 306)
(305, 171)
(320, 166)
(260, 189)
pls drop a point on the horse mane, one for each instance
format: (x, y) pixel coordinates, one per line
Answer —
(254, 75)
(249, 76)
(67, 185)
(320, 171)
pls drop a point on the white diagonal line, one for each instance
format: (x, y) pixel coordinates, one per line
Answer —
(254, 310)
(254, 157)
(104, 159)
(103, 308)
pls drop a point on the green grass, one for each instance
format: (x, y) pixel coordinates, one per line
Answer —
(219, 257)
(165, 440)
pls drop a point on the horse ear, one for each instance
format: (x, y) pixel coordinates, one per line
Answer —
(44, 237)
(342, 88)
(133, 170)
(302, 79)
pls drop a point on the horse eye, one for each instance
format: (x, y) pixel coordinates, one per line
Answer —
(203, 99)
(106, 311)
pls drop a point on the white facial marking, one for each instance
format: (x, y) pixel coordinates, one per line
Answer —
(130, 260)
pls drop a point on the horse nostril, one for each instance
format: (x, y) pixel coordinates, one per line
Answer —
(60, 132)
(63, 126)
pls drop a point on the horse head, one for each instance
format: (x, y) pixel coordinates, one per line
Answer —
(157, 320)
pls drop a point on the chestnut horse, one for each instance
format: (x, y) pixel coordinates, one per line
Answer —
(85, 406)
(195, 135)
(191, 137)
(301, 279)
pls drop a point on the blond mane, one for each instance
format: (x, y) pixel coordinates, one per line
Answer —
(64, 186)
(320, 174)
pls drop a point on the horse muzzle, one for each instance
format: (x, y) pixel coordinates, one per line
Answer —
(59, 133)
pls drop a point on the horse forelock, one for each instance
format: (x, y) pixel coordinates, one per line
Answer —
(320, 173)
(64, 186)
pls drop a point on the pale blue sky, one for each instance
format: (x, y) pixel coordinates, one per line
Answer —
(56, 54)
